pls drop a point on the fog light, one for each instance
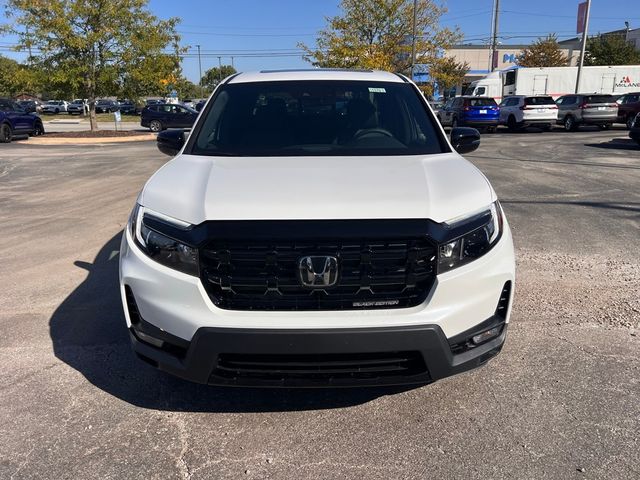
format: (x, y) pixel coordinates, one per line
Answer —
(149, 339)
(486, 335)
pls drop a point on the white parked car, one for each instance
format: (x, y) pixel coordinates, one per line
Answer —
(317, 228)
(519, 111)
(55, 106)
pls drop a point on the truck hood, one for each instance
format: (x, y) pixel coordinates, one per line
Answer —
(198, 188)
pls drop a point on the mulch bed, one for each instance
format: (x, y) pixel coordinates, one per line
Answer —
(97, 134)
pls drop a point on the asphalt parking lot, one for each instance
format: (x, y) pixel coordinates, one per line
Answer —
(561, 401)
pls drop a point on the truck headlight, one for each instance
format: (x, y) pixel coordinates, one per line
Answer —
(485, 230)
(160, 247)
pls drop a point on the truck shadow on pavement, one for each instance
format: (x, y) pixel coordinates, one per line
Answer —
(616, 144)
(89, 334)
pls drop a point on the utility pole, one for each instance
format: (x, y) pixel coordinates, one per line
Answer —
(494, 35)
(413, 41)
(200, 69)
(29, 44)
(219, 69)
(232, 65)
(583, 46)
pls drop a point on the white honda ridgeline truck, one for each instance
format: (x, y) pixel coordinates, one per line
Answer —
(317, 228)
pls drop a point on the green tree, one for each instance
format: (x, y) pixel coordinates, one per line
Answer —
(447, 72)
(16, 78)
(212, 77)
(378, 34)
(187, 89)
(610, 50)
(93, 45)
(544, 52)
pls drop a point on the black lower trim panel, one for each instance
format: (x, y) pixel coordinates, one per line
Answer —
(320, 358)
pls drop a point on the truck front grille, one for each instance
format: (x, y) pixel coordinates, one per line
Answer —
(264, 275)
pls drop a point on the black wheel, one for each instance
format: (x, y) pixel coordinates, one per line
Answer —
(5, 133)
(155, 126)
(38, 129)
(629, 121)
(569, 123)
(512, 125)
(57, 111)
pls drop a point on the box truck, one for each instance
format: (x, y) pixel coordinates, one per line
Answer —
(557, 81)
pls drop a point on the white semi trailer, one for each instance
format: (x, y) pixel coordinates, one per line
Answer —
(557, 81)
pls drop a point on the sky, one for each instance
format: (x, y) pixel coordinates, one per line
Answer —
(263, 34)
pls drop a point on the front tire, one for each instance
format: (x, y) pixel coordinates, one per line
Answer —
(629, 121)
(155, 126)
(57, 111)
(5, 133)
(512, 125)
(38, 129)
(570, 124)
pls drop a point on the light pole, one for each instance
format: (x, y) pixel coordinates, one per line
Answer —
(583, 46)
(494, 35)
(200, 70)
(413, 41)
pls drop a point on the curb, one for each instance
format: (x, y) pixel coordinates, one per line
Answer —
(89, 141)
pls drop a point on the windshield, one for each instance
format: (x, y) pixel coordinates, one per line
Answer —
(599, 99)
(317, 118)
(539, 101)
(481, 102)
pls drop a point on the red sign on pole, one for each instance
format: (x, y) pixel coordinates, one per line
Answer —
(582, 17)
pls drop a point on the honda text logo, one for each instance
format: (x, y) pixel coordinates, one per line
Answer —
(318, 272)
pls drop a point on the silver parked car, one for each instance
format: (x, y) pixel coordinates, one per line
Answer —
(587, 109)
(78, 107)
(55, 106)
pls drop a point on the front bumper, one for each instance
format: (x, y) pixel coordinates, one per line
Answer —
(320, 358)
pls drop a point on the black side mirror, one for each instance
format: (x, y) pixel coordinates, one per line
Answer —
(170, 142)
(465, 140)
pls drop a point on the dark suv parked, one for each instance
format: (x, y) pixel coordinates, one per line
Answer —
(106, 106)
(128, 107)
(628, 108)
(14, 120)
(167, 115)
(30, 105)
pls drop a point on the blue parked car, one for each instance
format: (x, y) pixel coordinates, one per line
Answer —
(161, 116)
(469, 111)
(14, 120)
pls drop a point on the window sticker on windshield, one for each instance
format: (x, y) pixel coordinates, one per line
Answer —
(377, 90)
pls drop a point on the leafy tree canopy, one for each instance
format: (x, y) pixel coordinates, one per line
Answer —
(212, 77)
(447, 72)
(378, 34)
(16, 78)
(610, 50)
(96, 47)
(544, 52)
